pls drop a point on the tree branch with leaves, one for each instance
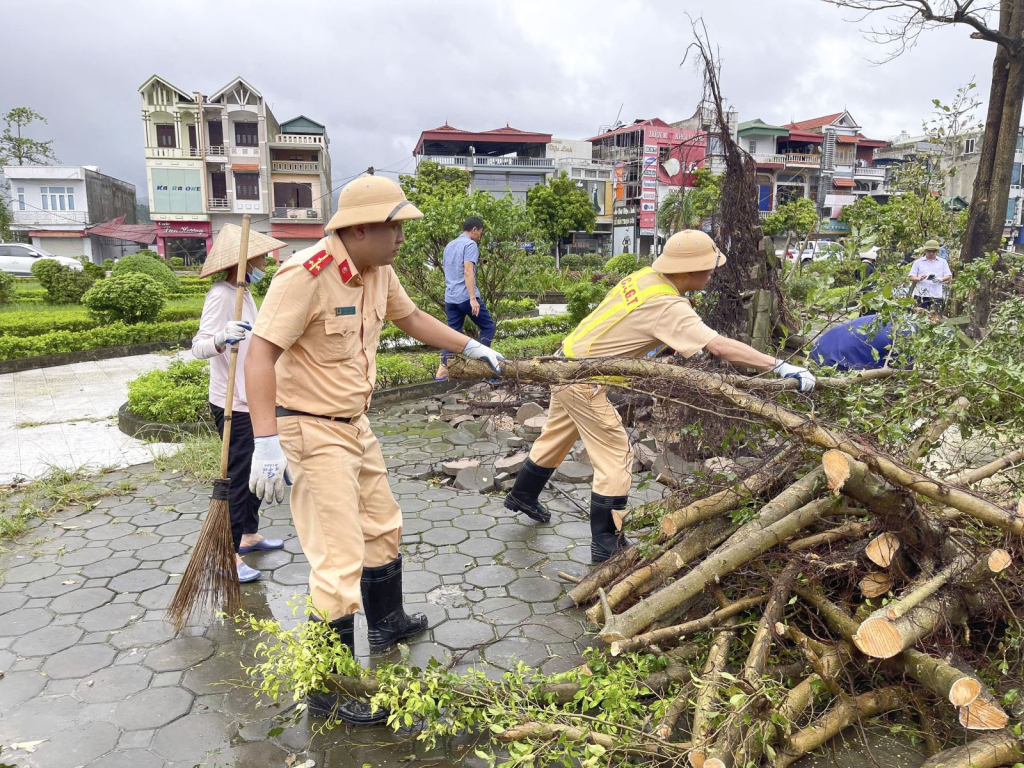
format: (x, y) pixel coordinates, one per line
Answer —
(16, 149)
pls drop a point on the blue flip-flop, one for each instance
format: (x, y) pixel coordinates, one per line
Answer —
(262, 545)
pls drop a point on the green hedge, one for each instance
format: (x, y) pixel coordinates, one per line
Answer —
(179, 395)
(392, 338)
(113, 335)
(29, 323)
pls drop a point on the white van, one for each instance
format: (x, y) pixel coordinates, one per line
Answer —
(17, 259)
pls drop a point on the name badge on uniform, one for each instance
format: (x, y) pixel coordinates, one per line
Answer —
(342, 311)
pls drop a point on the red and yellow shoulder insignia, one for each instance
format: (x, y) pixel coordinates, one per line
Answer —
(317, 262)
(346, 271)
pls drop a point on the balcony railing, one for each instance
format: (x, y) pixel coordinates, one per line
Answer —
(219, 203)
(797, 159)
(874, 173)
(764, 214)
(285, 166)
(31, 218)
(483, 161)
(173, 151)
(763, 159)
(297, 138)
(245, 151)
(301, 214)
(216, 150)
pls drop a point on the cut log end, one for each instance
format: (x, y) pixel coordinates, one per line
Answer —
(879, 638)
(964, 691)
(882, 549)
(668, 526)
(983, 714)
(837, 469)
(875, 584)
(697, 758)
(999, 560)
(714, 762)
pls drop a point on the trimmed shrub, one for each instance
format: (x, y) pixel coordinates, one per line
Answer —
(592, 260)
(582, 297)
(108, 264)
(132, 297)
(93, 270)
(147, 265)
(179, 395)
(572, 261)
(176, 262)
(43, 270)
(112, 335)
(7, 288)
(68, 286)
(623, 264)
(260, 289)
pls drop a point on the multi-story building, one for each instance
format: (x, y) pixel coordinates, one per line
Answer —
(55, 205)
(209, 160)
(650, 158)
(502, 161)
(575, 159)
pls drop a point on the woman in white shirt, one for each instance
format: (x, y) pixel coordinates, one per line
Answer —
(217, 332)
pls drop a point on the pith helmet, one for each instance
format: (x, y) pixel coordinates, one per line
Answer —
(688, 251)
(932, 245)
(371, 200)
(224, 254)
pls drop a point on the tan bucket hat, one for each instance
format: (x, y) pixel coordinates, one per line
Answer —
(689, 251)
(371, 200)
(224, 254)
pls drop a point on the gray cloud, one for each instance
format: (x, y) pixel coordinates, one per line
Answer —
(377, 73)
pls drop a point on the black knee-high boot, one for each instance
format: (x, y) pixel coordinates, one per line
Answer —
(606, 539)
(525, 493)
(386, 619)
(338, 706)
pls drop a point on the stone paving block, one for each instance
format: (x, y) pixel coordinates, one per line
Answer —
(558, 628)
(179, 654)
(82, 557)
(507, 653)
(30, 572)
(133, 541)
(154, 549)
(109, 531)
(142, 634)
(460, 634)
(77, 745)
(441, 536)
(490, 575)
(132, 740)
(39, 718)
(53, 586)
(113, 684)
(449, 564)
(528, 411)
(10, 601)
(152, 708)
(154, 517)
(46, 641)
(482, 547)
(18, 687)
(574, 472)
(138, 581)
(132, 758)
(109, 617)
(78, 661)
(158, 598)
(520, 558)
(81, 600)
(108, 568)
(296, 574)
(419, 581)
(189, 738)
(216, 674)
(534, 589)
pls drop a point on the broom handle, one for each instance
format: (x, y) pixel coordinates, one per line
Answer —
(229, 399)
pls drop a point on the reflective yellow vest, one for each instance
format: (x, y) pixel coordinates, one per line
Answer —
(631, 293)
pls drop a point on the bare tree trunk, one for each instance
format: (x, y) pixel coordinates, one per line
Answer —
(989, 751)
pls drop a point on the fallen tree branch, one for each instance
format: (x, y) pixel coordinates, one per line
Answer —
(989, 751)
(840, 533)
(969, 476)
(935, 430)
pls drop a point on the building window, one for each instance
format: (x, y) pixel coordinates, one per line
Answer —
(969, 147)
(247, 134)
(58, 198)
(21, 198)
(1015, 179)
(752, 146)
(165, 136)
(247, 186)
(291, 195)
(216, 129)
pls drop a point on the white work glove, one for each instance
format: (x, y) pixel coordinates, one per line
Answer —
(233, 333)
(804, 378)
(269, 474)
(476, 351)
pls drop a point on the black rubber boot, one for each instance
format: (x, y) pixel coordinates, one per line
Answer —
(337, 706)
(525, 493)
(386, 619)
(606, 539)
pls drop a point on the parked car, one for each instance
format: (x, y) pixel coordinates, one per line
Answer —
(18, 258)
(814, 250)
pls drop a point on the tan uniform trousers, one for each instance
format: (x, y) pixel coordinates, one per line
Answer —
(342, 505)
(583, 410)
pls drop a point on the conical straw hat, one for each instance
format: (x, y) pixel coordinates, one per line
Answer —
(224, 254)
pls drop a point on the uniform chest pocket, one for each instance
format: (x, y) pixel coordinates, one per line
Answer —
(341, 337)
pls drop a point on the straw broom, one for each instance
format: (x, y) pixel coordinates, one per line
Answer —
(210, 581)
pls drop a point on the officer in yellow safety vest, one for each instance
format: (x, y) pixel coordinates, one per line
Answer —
(644, 311)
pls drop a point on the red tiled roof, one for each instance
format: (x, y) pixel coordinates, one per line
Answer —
(245, 166)
(144, 234)
(842, 182)
(814, 122)
(506, 135)
(510, 131)
(446, 129)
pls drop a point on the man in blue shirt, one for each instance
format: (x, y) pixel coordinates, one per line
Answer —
(461, 297)
(857, 345)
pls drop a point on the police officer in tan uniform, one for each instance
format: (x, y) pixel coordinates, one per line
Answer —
(319, 325)
(644, 311)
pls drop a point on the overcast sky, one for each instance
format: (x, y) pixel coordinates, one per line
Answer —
(377, 72)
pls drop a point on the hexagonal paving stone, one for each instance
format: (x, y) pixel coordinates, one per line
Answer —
(179, 527)
(294, 575)
(161, 551)
(142, 634)
(441, 536)
(413, 526)
(502, 611)
(179, 654)
(577, 531)
(215, 675)
(463, 633)
(550, 544)
(138, 581)
(154, 517)
(474, 501)
(85, 556)
(10, 601)
(268, 560)
(521, 558)
(481, 547)
(449, 564)
(534, 589)
(30, 572)
(131, 758)
(115, 566)
(109, 617)
(440, 513)
(24, 620)
(82, 600)
(40, 717)
(109, 531)
(79, 661)
(133, 541)
(512, 532)
(476, 522)
(157, 598)
(419, 581)
(53, 586)
(189, 738)
(152, 708)
(557, 628)
(113, 684)
(46, 641)
(77, 745)
(509, 652)
(18, 687)
(490, 575)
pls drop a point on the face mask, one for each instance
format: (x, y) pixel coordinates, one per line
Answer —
(255, 276)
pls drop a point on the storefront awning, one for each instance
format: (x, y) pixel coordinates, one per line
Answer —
(143, 234)
(843, 182)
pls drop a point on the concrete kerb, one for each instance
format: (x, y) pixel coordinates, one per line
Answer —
(88, 355)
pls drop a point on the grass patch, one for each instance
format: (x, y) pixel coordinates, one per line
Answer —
(57, 490)
(198, 458)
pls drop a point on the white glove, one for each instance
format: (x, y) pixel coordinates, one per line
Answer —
(476, 351)
(269, 474)
(804, 378)
(233, 333)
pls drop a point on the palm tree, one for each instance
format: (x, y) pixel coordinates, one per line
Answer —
(678, 211)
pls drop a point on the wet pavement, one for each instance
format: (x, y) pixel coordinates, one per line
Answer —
(93, 672)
